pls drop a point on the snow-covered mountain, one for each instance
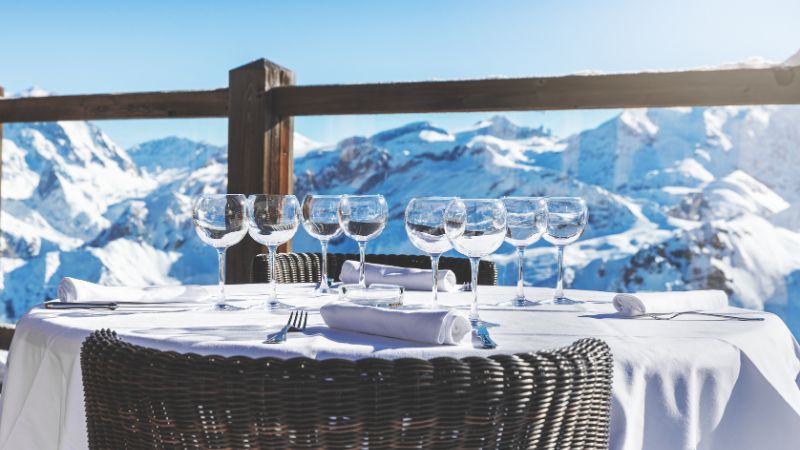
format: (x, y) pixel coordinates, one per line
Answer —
(679, 198)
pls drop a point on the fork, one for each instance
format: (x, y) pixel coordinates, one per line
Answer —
(670, 316)
(297, 322)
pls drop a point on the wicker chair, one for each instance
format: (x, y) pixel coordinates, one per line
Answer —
(6, 335)
(138, 397)
(305, 267)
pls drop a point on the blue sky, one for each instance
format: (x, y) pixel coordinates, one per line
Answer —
(100, 46)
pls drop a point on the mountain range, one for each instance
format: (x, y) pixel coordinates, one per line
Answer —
(679, 198)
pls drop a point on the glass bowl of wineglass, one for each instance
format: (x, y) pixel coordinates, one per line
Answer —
(526, 221)
(321, 221)
(273, 220)
(362, 218)
(566, 221)
(476, 228)
(219, 221)
(424, 220)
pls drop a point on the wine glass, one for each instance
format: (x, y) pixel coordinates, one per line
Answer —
(321, 221)
(362, 217)
(219, 221)
(425, 227)
(566, 220)
(476, 228)
(526, 221)
(273, 220)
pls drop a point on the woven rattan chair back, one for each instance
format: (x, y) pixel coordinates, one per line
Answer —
(141, 398)
(306, 267)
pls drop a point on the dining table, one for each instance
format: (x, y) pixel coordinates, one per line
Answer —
(693, 382)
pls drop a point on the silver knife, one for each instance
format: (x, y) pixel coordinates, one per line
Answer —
(75, 305)
(483, 335)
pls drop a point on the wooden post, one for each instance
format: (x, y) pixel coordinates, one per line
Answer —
(2, 93)
(259, 147)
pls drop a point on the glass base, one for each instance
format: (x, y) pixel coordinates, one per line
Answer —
(522, 302)
(278, 307)
(222, 306)
(482, 323)
(319, 290)
(566, 301)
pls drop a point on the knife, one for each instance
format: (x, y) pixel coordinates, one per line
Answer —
(75, 305)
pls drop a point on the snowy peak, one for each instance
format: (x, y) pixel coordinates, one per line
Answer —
(503, 128)
(176, 153)
(412, 131)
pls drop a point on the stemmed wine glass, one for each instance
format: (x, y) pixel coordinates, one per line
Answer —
(273, 220)
(527, 219)
(476, 228)
(566, 220)
(362, 217)
(425, 227)
(219, 221)
(321, 221)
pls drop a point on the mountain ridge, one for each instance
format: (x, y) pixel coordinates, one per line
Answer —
(680, 198)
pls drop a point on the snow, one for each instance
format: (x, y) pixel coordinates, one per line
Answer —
(303, 145)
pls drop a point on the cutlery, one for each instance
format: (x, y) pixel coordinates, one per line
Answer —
(482, 333)
(670, 316)
(297, 322)
(110, 305)
(75, 305)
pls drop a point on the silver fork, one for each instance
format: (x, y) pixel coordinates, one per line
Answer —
(670, 316)
(297, 322)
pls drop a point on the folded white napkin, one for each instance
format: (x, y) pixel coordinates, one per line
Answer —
(429, 326)
(669, 302)
(410, 278)
(74, 290)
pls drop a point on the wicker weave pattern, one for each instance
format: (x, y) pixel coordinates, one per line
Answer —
(306, 267)
(141, 398)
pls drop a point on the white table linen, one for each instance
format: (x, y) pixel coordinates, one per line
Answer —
(670, 302)
(72, 290)
(439, 327)
(688, 383)
(409, 277)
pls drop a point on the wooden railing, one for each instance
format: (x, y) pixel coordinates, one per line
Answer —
(262, 99)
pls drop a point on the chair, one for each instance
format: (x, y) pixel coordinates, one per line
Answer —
(6, 335)
(138, 397)
(306, 267)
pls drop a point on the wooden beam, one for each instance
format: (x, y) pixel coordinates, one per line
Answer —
(259, 147)
(143, 105)
(778, 85)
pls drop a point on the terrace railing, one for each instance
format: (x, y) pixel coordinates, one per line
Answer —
(262, 98)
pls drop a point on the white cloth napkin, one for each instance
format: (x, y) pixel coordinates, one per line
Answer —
(670, 302)
(410, 278)
(74, 290)
(429, 326)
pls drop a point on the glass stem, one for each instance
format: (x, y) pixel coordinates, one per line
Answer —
(520, 273)
(221, 258)
(323, 276)
(362, 274)
(435, 288)
(273, 285)
(560, 283)
(473, 311)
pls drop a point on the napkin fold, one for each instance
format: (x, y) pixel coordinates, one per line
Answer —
(74, 290)
(442, 327)
(669, 302)
(410, 278)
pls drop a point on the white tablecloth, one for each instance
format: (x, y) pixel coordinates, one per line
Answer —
(690, 383)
